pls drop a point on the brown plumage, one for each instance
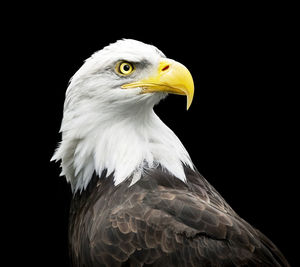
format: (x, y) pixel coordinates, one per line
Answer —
(161, 221)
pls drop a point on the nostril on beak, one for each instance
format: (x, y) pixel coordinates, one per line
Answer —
(165, 68)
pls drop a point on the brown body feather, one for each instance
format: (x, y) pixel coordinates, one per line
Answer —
(161, 221)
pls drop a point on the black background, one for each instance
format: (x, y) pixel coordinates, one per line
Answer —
(239, 130)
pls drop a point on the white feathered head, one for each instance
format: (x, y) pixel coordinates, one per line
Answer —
(108, 121)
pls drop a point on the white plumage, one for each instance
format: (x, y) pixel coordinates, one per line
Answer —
(108, 128)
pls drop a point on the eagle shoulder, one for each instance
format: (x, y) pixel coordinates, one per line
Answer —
(161, 221)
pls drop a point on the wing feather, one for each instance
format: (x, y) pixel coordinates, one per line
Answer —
(161, 221)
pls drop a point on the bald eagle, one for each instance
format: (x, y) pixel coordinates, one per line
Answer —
(138, 200)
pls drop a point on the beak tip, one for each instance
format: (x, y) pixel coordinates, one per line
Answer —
(188, 102)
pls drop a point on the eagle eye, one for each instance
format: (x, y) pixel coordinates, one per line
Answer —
(124, 68)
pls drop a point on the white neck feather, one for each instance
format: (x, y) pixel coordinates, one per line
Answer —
(135, 141)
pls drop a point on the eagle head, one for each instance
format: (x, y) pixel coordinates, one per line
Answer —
(109, 123)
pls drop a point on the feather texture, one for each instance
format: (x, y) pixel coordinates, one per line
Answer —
(108, 128)
(162, 221)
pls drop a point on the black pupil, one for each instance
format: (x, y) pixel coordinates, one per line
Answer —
(126, 67)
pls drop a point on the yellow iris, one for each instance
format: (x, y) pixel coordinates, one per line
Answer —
(125, 68)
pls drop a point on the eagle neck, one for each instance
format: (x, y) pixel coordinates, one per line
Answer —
(136, 142)
(124, 145)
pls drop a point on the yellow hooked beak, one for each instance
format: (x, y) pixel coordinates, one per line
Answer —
(171, 77)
